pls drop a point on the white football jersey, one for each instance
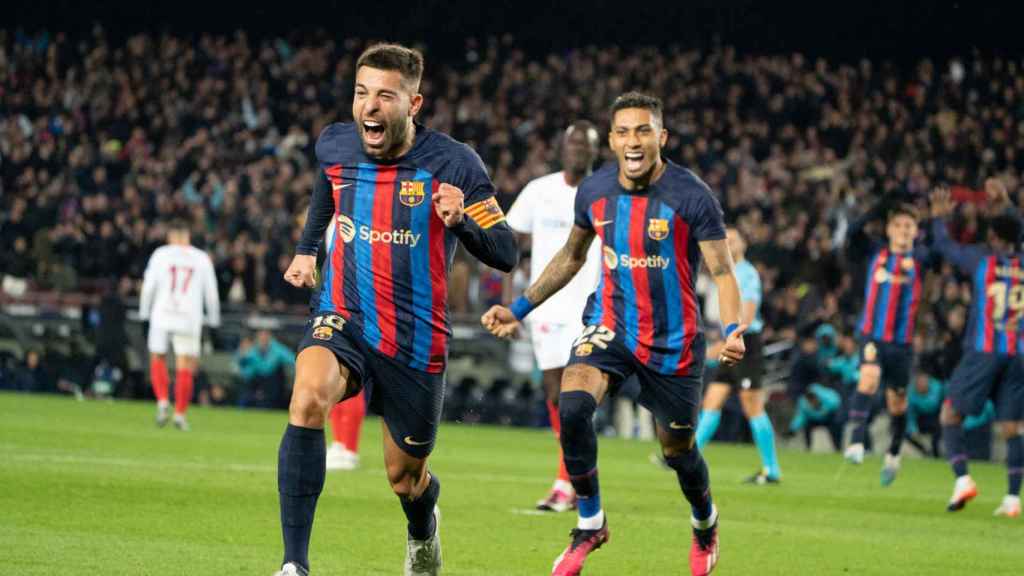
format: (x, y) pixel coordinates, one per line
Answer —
(545, 209)
(178, 281)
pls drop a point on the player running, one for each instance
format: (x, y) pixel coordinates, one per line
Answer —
(993, 343)
(892, 292)
(401, 195)
(655, 220)
(544, 211)
(746, 378)
(178, 281)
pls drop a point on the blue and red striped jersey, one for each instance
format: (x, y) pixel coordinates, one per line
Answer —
(646, 293)
(387, 261)
(892, 292)
(994, 325)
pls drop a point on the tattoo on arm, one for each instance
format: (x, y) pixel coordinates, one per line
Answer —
(717, 257)
(563, 266)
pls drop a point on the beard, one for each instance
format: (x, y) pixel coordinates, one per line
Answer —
(395, 130)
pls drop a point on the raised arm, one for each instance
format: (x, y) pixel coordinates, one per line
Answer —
(964, 257)
(488, 237)
(502, 321)
(719, 263)
(318, 217)
(301, 272)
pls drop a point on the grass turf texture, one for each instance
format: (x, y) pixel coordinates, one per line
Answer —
(96, 488)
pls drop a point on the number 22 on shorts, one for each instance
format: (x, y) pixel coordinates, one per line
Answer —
(592, 336)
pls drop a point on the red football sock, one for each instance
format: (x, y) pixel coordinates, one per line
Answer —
(182, 391)
(338, 422)
(556, 426)
(354, 410)
(159, 378)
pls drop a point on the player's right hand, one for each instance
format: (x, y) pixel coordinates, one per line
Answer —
(500, 321)
(734, 349)
(301, 273)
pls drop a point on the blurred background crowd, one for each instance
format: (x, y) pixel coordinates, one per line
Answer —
(103, 142)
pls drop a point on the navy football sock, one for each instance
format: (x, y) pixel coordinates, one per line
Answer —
(692, 473)
(860, 407)
(420, 512)
(898, 428)
(1015, 463)
(956, 448)
(579, 448)
(300, 479)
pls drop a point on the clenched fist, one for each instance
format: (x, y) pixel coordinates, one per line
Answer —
(301, 273)
(500, 321)
(448, 204)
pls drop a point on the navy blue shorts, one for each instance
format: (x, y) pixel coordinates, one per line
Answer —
(895, 360)
(980, 377)
(409, 400)
(674, 400)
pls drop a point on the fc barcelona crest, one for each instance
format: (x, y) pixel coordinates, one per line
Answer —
(657, 228)
(411, 193)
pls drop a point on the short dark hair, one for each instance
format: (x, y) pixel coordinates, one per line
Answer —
(902, 209)
(1006, 228)
(178, 225)
(407, 61)
(638, 100)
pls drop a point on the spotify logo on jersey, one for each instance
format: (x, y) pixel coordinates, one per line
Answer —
(346, 228)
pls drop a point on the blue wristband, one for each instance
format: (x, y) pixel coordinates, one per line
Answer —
(520, 307)
(729, 329)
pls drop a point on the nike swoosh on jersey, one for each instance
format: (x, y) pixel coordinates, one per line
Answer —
(340, 186)
(408, 440)
(600, 223)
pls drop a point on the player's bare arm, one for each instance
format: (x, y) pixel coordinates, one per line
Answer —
(502, 322)
(719, 262)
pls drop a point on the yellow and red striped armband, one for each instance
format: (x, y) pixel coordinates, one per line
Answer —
(486, 213)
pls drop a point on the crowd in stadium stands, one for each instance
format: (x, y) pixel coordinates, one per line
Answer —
(103, 143)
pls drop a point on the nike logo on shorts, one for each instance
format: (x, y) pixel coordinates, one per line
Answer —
(409, 440)
(675, 426)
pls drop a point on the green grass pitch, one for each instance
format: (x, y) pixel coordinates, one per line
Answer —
(95, 488)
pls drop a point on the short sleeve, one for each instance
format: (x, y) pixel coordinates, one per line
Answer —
(520, 215)
(750, 284)
(706, 217)
(581, 208)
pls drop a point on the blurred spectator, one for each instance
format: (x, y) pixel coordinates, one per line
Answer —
(924, 399)
(262, 369)
(817, 407)
(28, 376)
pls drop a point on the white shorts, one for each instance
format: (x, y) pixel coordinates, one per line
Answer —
(552, 343)
(183, 343)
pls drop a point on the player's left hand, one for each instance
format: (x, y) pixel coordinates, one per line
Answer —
(448, 204)
(734, 348)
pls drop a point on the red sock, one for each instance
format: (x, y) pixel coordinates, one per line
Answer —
(338, 422)
(158, 377)
(182, 391)
(354, 410)
(556, 426)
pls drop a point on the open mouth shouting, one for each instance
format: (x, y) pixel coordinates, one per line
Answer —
(374, 133)
(634, 161)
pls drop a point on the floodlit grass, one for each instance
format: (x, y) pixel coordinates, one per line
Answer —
(96, 488)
